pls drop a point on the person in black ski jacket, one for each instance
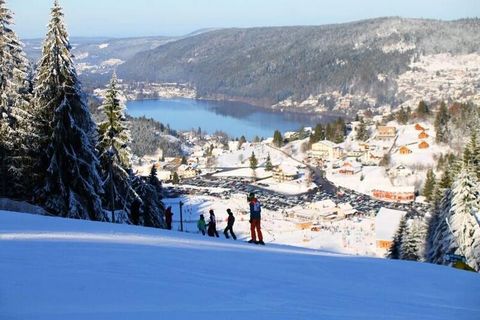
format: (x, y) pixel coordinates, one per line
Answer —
(168, 218)
(230, 222)
(212, 225)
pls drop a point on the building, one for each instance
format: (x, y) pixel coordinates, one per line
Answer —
(318, 211)
(401, 171)
(364, 146)
(418, 127)
(346, 209)
(373, 157)
(404, 150)
(394, 194)
(386, 133)
(350, 168)
(423, 145)
(323, 204)
(326, 150)
(185, 171)
(386, 225)
(285, 173)
(355, 153)
(423, 135)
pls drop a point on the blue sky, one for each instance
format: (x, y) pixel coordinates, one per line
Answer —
(122, 18)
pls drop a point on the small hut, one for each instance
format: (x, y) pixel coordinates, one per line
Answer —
(405, 150)
(423, 135)
(419, 127)
(423, 145)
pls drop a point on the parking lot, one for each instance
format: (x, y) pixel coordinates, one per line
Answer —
(223, 187)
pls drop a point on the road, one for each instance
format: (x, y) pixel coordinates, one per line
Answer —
(318, 174)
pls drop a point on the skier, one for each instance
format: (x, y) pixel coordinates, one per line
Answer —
(230, 222)
(201, 224)
(212, 225)
(168, 218)
(255, 217)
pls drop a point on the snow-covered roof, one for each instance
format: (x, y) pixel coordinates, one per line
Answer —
(288, 170)
(352, 164)
(327, 143)
(328, 203)
(289, 134)
(347, 208)
(396, 189)
(387, 222)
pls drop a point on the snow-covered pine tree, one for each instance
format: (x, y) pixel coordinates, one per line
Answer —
(70, 184)
(175, 178)
(114, 130)
(413, 244)
(153, 180)
(362, 131)
(429, 188)
(395, 250)
(268, 164)
(253, 161)
(114, 151)
(153, 209)
(471, 154)
(14, 109)
(464, 225)
(441, 124)
(439, 236)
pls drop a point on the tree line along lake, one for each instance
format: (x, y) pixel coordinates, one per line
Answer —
(234, 118)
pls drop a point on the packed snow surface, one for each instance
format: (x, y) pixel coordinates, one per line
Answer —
(52, 268)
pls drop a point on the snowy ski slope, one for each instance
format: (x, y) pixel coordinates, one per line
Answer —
(52, 268)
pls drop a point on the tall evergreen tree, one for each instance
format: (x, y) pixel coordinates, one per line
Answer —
(114, 131)
(253, 161)
(429, 188)
(277, 139)
(413, 244)
(175, 178)
(402, 116)
(395, 250)
(153, 179)
(268, 164)
(422, 110)
(329, 132)
(318, 134)
(70, 184)
(340, 130)
(241, 141)
(441, 124)
(15, 120)
(153, 209)
(464, 225)
(114, 151)
(471, 154)
(439, 236)
(362, 132)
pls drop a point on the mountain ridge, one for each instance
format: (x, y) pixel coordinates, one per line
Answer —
(267, 65)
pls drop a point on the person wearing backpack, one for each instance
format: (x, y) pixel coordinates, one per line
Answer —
(202, 225)
(230, 222)
(212, 225)
(255, 218)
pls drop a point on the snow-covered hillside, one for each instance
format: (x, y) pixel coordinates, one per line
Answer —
(53, 268)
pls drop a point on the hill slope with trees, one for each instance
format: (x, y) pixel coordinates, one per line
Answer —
(264, 66)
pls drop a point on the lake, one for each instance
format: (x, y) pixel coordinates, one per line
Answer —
(235, 119)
